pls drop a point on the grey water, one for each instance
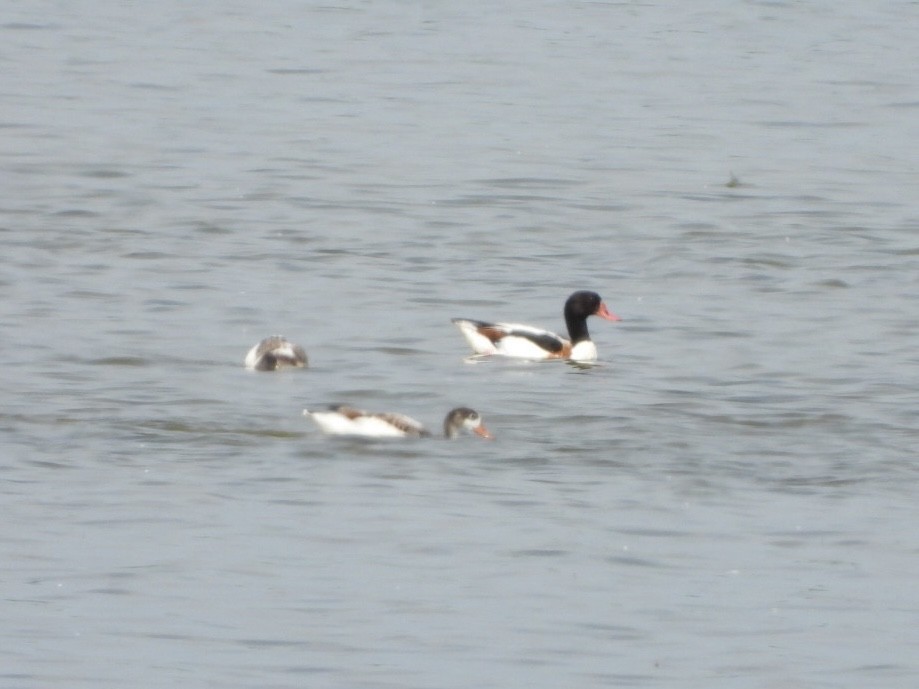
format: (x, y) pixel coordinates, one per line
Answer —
(728, 499)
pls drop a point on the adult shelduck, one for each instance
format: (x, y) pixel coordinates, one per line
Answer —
(345, 420)
(275, 352)
(527, 342)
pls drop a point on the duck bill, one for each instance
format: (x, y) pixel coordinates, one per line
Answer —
(604, 312)
(482, 431)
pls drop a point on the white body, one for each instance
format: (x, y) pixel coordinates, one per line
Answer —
(585, 351)
(509, 345)
(368, 425)
(523, 347)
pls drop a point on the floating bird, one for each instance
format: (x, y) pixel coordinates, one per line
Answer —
(527, 342)
(345, 420)
(275, 352)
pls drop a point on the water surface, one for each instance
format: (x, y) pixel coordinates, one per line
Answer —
(726, 500)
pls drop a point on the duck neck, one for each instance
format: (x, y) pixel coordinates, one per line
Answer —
(577, 327)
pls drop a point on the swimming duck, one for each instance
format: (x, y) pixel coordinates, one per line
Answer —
(345, 420)
(527, 342)
(275, 352)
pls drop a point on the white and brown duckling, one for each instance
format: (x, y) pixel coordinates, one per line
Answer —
(274, 353)
(345, 420)
(526, 342)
